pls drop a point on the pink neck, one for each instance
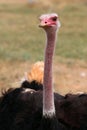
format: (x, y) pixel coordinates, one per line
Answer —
(48, 96)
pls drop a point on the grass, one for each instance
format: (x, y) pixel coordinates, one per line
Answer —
(21, 41)
(20, 35)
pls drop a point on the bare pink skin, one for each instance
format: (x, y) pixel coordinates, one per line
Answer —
(50, 24)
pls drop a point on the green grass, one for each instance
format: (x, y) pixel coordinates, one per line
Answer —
(21, 39)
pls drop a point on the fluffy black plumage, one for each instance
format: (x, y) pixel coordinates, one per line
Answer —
(32, 85)
(51, 124)
(73, 111)
(21, 110)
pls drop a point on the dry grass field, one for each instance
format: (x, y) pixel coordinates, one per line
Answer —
(18, 24)
(67, 78)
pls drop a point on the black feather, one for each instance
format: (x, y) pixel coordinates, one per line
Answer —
(32, 85)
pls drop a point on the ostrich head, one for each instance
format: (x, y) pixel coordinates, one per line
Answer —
(49, 22)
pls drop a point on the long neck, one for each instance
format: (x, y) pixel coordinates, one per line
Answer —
(48, 96)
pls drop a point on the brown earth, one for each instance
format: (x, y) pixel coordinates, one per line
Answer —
(13, 1)
(67, 78)
(41, 1)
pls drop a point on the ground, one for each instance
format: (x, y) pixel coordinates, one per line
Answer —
(68, 78)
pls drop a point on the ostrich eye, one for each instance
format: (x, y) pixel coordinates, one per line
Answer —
(54, 18)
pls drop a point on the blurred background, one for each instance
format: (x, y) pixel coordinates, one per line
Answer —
(22, 42)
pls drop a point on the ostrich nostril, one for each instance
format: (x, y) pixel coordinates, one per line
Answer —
(45, 22)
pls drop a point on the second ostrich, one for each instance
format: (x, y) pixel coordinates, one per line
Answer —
(33, 80)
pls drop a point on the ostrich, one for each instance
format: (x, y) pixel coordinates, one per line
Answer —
(21, 109)
(50, 23)
(43, 110)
